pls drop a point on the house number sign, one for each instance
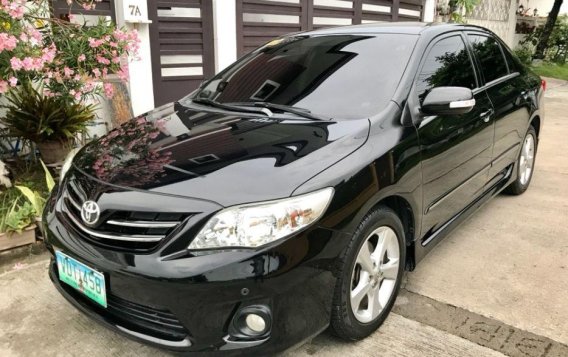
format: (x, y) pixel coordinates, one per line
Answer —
(135, 11)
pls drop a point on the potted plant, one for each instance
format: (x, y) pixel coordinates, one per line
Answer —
(51, 70)
(48, 121)
(21, 209)
(17, 228)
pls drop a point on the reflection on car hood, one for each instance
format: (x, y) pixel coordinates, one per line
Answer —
(229, 159)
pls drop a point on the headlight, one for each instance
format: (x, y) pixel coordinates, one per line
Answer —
(67, 163)
(257, 224)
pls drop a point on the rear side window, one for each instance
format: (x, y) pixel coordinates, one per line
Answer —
(514, 65)
(489, 54)
(446, 64)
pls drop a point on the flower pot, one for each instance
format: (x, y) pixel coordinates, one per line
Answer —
(13, 240)
(53, 151)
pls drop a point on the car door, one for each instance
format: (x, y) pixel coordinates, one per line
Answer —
(456, 149)
(507, 90)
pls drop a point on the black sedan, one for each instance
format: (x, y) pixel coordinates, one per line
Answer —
(289, 193)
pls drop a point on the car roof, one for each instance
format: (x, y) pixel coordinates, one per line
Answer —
(411, 28)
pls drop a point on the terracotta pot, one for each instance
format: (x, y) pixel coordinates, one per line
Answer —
(13, 240)
(53, 151)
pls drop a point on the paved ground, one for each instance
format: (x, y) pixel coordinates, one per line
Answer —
(497, 286)
(510, 260)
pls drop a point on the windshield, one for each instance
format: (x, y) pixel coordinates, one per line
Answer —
(337, 76)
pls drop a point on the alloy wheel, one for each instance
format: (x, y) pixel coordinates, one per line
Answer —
(375, 273)
(526, 160)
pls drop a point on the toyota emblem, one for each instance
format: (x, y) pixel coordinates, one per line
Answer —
(90, 212)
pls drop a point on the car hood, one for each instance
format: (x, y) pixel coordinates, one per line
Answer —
(221, 157)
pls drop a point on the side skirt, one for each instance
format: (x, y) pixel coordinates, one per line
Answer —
(423, 246)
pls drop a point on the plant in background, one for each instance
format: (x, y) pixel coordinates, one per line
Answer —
(23, 205)
(49, 121)
(18, 218)
(524, 53)
(461, 8)
(69, 63)
(35, 198)
(557, 46)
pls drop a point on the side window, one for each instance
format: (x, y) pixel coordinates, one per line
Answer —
(489, 54)
(514, 65)
(446, 64)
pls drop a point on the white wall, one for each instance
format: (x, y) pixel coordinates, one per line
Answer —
(543, 6)
(225, 33)
(429, 10)
(140, 74)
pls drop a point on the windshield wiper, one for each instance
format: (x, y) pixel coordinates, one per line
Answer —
(228, 107)
(305, 113)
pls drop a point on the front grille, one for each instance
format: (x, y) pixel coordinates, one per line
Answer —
(120, 229)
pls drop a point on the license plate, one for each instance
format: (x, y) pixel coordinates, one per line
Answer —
(87, 280)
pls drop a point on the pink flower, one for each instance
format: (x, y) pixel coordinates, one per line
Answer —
(36, 37)
(103, 60)
(122, 73)
(109, 90)
(7, 42)
(68, 72)
(88, 6)
(3, 86)
(48, 53)
(13, 81)
(16, 9)
(96, 73)
(81, 58)
(28, 63)
(19, 266)
(16, 63)
(94, 43)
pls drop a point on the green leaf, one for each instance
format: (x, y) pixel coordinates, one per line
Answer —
(33, 197)
(50, 182)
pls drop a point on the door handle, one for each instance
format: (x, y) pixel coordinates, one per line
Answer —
(486, 115)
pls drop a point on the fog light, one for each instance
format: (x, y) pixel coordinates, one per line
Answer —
(251, 323)
(255, 323)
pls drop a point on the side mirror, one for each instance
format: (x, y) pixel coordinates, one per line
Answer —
(448, 101)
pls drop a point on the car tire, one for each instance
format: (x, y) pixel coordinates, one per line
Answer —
(525, 164)
(353, 317)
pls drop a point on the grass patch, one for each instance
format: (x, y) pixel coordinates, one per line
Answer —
(552, 70)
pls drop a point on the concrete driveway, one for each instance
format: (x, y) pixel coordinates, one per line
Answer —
(497, 286)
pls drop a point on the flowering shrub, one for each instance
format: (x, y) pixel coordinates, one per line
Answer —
(69, 59)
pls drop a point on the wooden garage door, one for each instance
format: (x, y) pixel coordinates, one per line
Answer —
(181, 42)
(259, 21)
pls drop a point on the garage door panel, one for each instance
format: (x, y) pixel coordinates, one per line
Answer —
(259, 21)
(181, 38)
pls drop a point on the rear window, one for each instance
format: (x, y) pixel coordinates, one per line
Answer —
(339, 76)
(489, 53)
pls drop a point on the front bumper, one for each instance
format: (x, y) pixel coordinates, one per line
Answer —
(187, 303)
